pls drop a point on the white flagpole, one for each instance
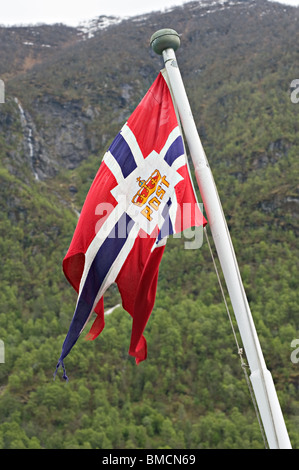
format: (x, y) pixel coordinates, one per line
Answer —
(165, 42)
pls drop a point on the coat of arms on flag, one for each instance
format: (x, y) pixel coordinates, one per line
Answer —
(135, 201)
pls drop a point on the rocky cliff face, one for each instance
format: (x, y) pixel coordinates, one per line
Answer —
(69, 90)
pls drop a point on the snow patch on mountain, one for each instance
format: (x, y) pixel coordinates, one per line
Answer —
(89, 28)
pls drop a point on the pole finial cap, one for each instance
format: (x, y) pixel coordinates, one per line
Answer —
(165, 39)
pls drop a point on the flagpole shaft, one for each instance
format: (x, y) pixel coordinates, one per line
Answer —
(261, 378)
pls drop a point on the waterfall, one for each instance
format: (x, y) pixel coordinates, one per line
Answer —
(28, 133)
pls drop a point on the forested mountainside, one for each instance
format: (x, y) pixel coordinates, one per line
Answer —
(68, 91)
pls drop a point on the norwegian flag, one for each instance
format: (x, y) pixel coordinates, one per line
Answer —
(135, 201)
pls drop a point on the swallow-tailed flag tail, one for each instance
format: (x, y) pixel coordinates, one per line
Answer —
(136, 200)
